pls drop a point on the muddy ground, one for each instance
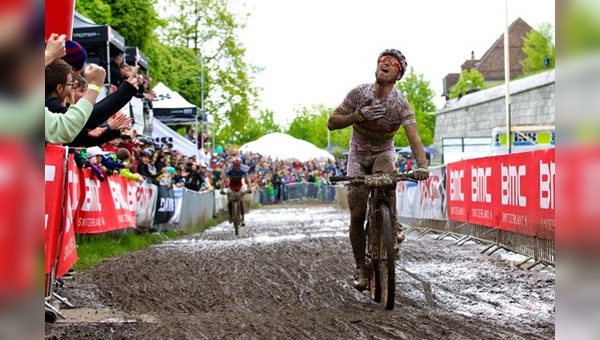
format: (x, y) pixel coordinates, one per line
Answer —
(287, 276)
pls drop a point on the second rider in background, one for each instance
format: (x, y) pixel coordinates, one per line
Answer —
(376, 111)
(232, 179)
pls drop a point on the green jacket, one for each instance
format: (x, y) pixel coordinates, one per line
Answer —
(62, 128)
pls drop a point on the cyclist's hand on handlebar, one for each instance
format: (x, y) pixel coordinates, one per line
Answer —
(421, 174)
(371, 112)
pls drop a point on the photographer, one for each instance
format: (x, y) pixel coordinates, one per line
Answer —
(194, 179)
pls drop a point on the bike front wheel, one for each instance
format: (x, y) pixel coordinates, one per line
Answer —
(387, 260)
(236, 217)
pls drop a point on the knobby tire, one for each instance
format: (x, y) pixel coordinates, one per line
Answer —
(387, 258)
(236, 216)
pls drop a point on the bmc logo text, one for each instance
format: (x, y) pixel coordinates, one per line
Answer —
(479, 184)
(456, 177)
(91, 202)
(547, 172)
(511, 185)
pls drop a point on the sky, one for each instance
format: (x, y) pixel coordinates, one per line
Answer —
(314, 51)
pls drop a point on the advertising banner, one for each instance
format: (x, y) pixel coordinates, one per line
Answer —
(512, 192)
(425, 199)
(178, 199)
(165, 205)
(54, 190)
(68, 250)
(105, 205)
(146, 195)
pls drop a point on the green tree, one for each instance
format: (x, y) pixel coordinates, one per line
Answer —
(469, 80)
(98, 11)
(537, 46)
(209, 28)
(258, 127)
(310, 124)
(420, 96)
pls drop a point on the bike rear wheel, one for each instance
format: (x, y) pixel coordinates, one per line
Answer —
(236, 216)
(372, 265)
(387, 258)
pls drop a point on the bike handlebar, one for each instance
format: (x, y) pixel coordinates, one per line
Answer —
(397, 177)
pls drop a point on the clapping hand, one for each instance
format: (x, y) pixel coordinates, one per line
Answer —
(96, 132)
(119, 121)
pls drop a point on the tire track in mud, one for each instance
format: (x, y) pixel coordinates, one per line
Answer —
(287, 275)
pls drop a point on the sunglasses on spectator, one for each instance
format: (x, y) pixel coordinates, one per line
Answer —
(387, 58)
(71, 84)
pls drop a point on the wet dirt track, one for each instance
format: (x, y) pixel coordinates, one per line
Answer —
(287, 276)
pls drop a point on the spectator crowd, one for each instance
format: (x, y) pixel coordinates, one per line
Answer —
(107, 145)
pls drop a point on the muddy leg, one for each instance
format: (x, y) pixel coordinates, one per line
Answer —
(357, 197)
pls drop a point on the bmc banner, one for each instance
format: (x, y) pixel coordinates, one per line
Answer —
(54, 190)
(105, 205)
(424, 200)
(68, 250)
(512, 192)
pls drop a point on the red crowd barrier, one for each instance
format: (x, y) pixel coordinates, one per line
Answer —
(77, 202)
(511, 192)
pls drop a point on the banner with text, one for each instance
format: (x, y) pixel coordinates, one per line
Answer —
(423, 200)
(54, 190)
(68, 250)
(165, 205)
(146, 194)
(105, 205)
(512, 192)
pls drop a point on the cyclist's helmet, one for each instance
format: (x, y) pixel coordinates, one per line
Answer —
(398, 55)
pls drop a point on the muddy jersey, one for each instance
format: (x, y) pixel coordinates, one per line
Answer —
(377, 135)
(235, 178)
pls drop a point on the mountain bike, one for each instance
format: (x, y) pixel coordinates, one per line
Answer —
(237, 208)
(381, 222)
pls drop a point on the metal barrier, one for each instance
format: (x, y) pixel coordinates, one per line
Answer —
(320, 192)
(538, 251)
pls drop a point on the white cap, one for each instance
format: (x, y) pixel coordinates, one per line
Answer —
(95, 151)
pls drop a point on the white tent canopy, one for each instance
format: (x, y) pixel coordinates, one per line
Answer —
(285, 147)
(171, 108)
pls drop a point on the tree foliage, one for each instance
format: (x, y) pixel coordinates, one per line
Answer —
(174, 43)
(310, 124)
(209, 28)
(469, 80)
(98, 11)
(420, 96)
(537, 45)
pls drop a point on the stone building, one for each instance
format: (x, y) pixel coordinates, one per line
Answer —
(491, 64)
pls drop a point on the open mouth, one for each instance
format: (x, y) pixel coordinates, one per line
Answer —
(384, 69)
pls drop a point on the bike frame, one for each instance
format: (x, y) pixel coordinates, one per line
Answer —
(236, 198)
(381, 238)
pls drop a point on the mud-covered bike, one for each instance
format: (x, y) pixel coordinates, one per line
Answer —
(381, 231)
(237, 207)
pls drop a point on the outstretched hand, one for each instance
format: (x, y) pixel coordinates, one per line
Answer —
(119, 121)
(55, 47)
